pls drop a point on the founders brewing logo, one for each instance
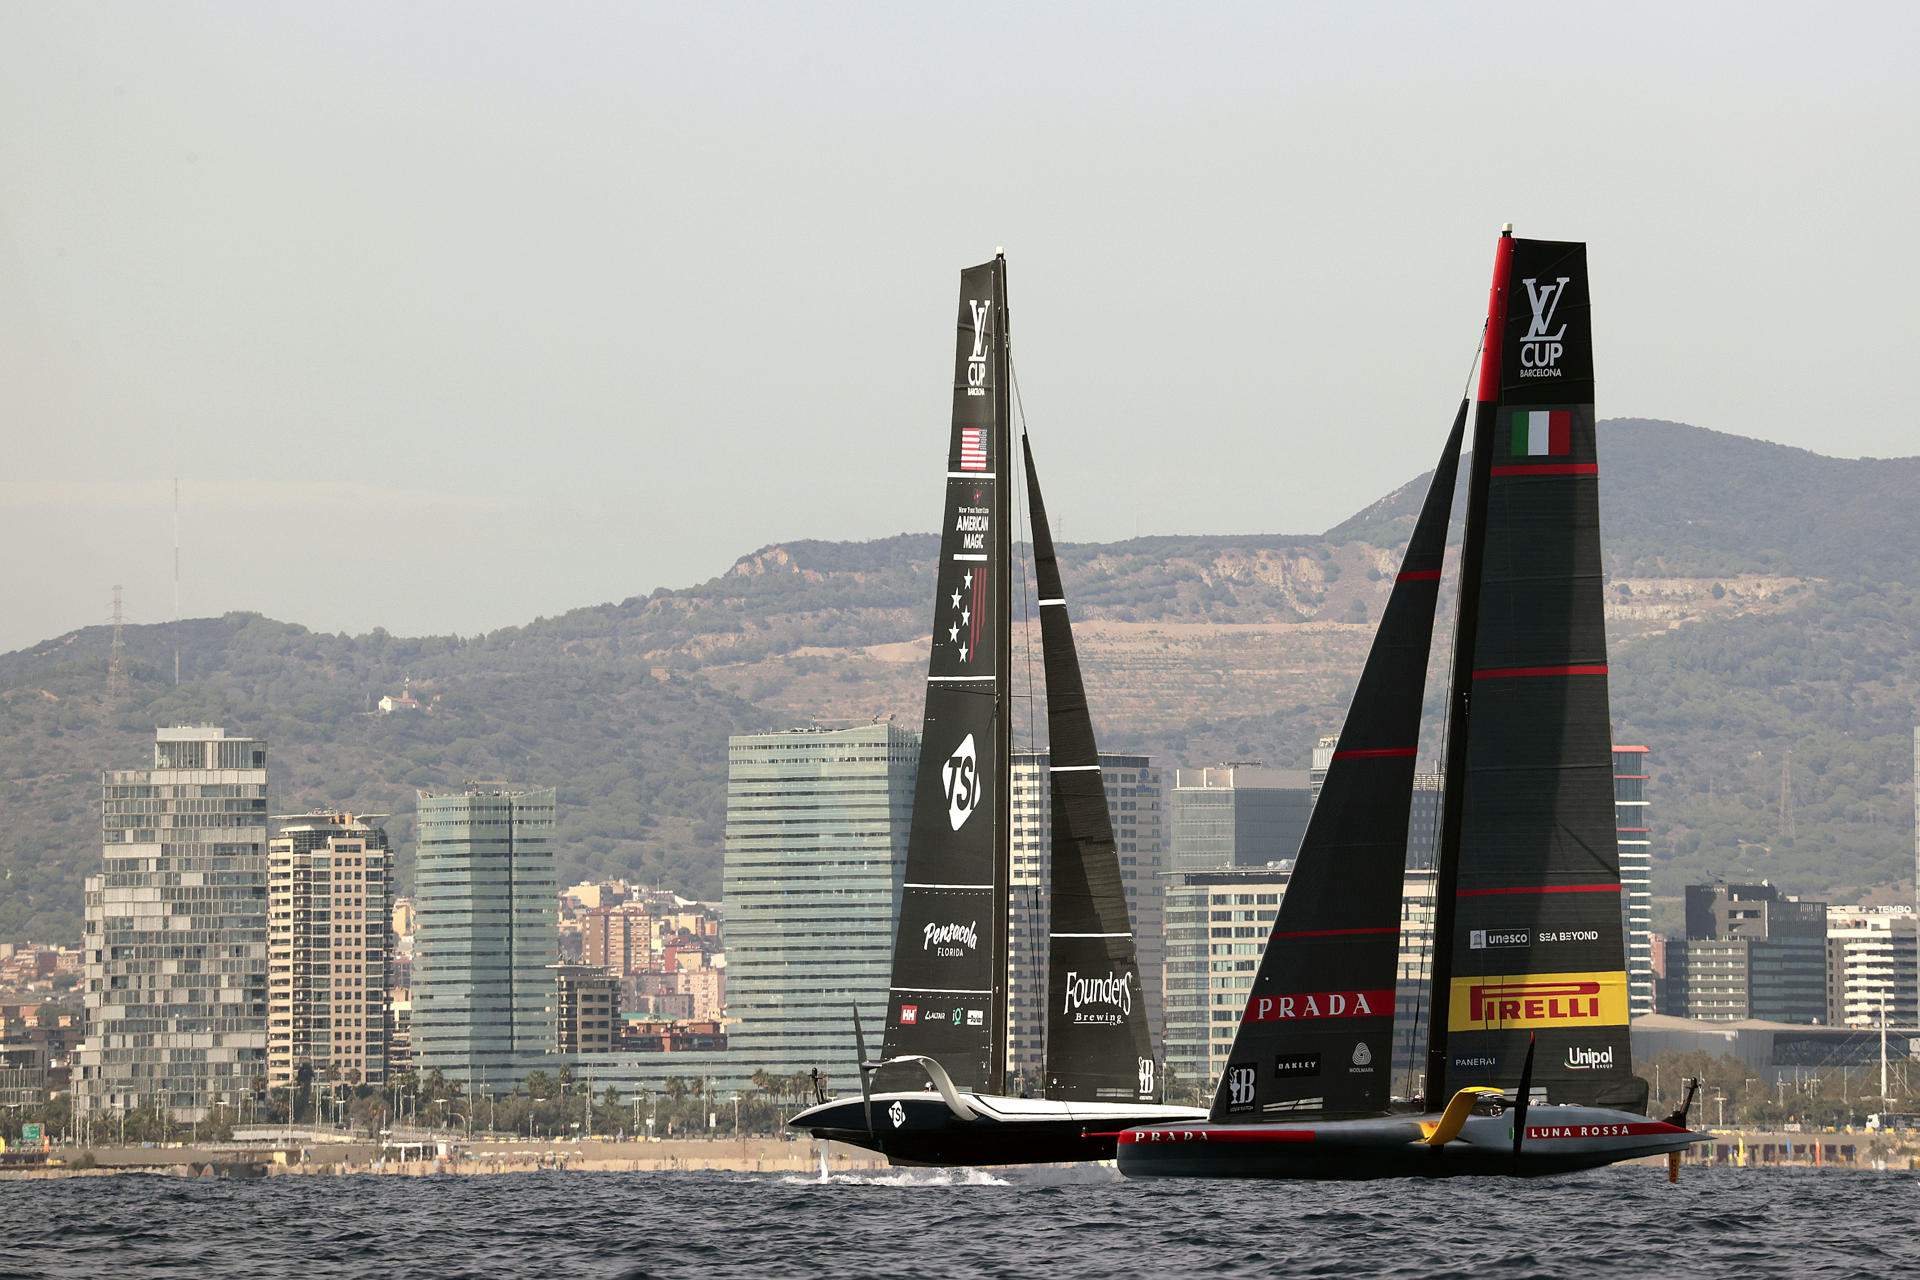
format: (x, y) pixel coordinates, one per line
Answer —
(1240, 1085)
(1107, 999)
(962, 778)
(951, 940)
(977, 362)
(1543, 345)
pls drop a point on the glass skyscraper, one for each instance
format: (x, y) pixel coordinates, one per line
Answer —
(176, 931)
(483, 996)
(817, 823)
(1133, 802)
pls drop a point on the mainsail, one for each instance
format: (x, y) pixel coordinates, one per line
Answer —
(1317, 1032)
(948, 994)
(1528, 937)
(1099, 1046)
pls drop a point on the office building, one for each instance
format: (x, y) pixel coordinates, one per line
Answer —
(1631, 833)
(1133, 788)
(1217, 926)
(176, 931)
(484, 904)
(1322, 761)
(1753, 952)
(816, 846)
(1423, 821)
(1237, 815)
(329, 916)
(586, 1009)
(1873, 964)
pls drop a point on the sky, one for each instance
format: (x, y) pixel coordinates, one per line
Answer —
(448, 316)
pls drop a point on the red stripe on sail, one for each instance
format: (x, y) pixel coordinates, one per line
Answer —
(1537, 888)
(1516, 673)
(1549, 469)
(1419, 575)
(1336, 933)
(1494, 342)
(1373, 753)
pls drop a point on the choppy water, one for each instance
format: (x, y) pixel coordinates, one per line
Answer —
(936, 1223)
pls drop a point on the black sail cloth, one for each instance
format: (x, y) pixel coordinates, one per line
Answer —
(1099, 1046)
(1317, 1032)
(947, 988)
(1535, 946)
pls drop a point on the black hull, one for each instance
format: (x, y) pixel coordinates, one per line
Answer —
(1560, 1140)
(919, 1129)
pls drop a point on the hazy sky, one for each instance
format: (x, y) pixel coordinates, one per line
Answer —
(453, 315)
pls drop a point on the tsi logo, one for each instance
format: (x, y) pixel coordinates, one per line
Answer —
(1146, 1077)
(950, 940)
(963, 783)
(1240, 1086)
(897, 1114)
(1541, 348)
(977, 362)
(1589, 1059)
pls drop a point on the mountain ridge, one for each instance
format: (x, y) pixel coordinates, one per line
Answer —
(1759, 596)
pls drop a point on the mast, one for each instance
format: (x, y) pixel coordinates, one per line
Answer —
(1460, 686)
(1003, 664)
(1529, 949)
(947, 993)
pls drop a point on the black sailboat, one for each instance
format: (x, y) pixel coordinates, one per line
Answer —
(1528, 1044)
(938, 1093)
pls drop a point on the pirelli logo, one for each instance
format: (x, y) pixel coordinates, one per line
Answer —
(1499, 1002)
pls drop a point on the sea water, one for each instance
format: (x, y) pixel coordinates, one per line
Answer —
(1043, 1222)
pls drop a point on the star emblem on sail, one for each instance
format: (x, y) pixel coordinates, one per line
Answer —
(968, 602)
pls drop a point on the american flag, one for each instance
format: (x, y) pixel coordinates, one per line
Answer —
(973, 448)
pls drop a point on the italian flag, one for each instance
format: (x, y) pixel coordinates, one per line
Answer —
(1542, 433)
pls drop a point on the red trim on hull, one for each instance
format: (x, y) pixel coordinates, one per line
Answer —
(1374, 753)
(1419, 575)
(1154, 1137)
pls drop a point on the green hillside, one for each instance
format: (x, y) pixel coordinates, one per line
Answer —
(627, 707)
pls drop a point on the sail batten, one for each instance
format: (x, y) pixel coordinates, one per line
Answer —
(1316, 1036)
(1099, 1047)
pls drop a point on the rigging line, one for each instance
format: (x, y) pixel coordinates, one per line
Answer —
(1020, 509)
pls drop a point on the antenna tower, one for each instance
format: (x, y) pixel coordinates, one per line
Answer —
(1786, 794)
(117, 662)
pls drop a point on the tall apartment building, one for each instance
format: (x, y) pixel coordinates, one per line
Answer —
(816, 845)
(1133, 787)
(1217, 926)
(618, 939)
(176, 930)
(329, 918)
(1423, 821)
(1322, 761)
(1753, 952)
(1873, 964)
(586, 1008)
(1237, 815)
(485, 909)
(1631, 832)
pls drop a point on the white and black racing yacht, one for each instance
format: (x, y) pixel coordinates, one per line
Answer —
(938, 1094)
